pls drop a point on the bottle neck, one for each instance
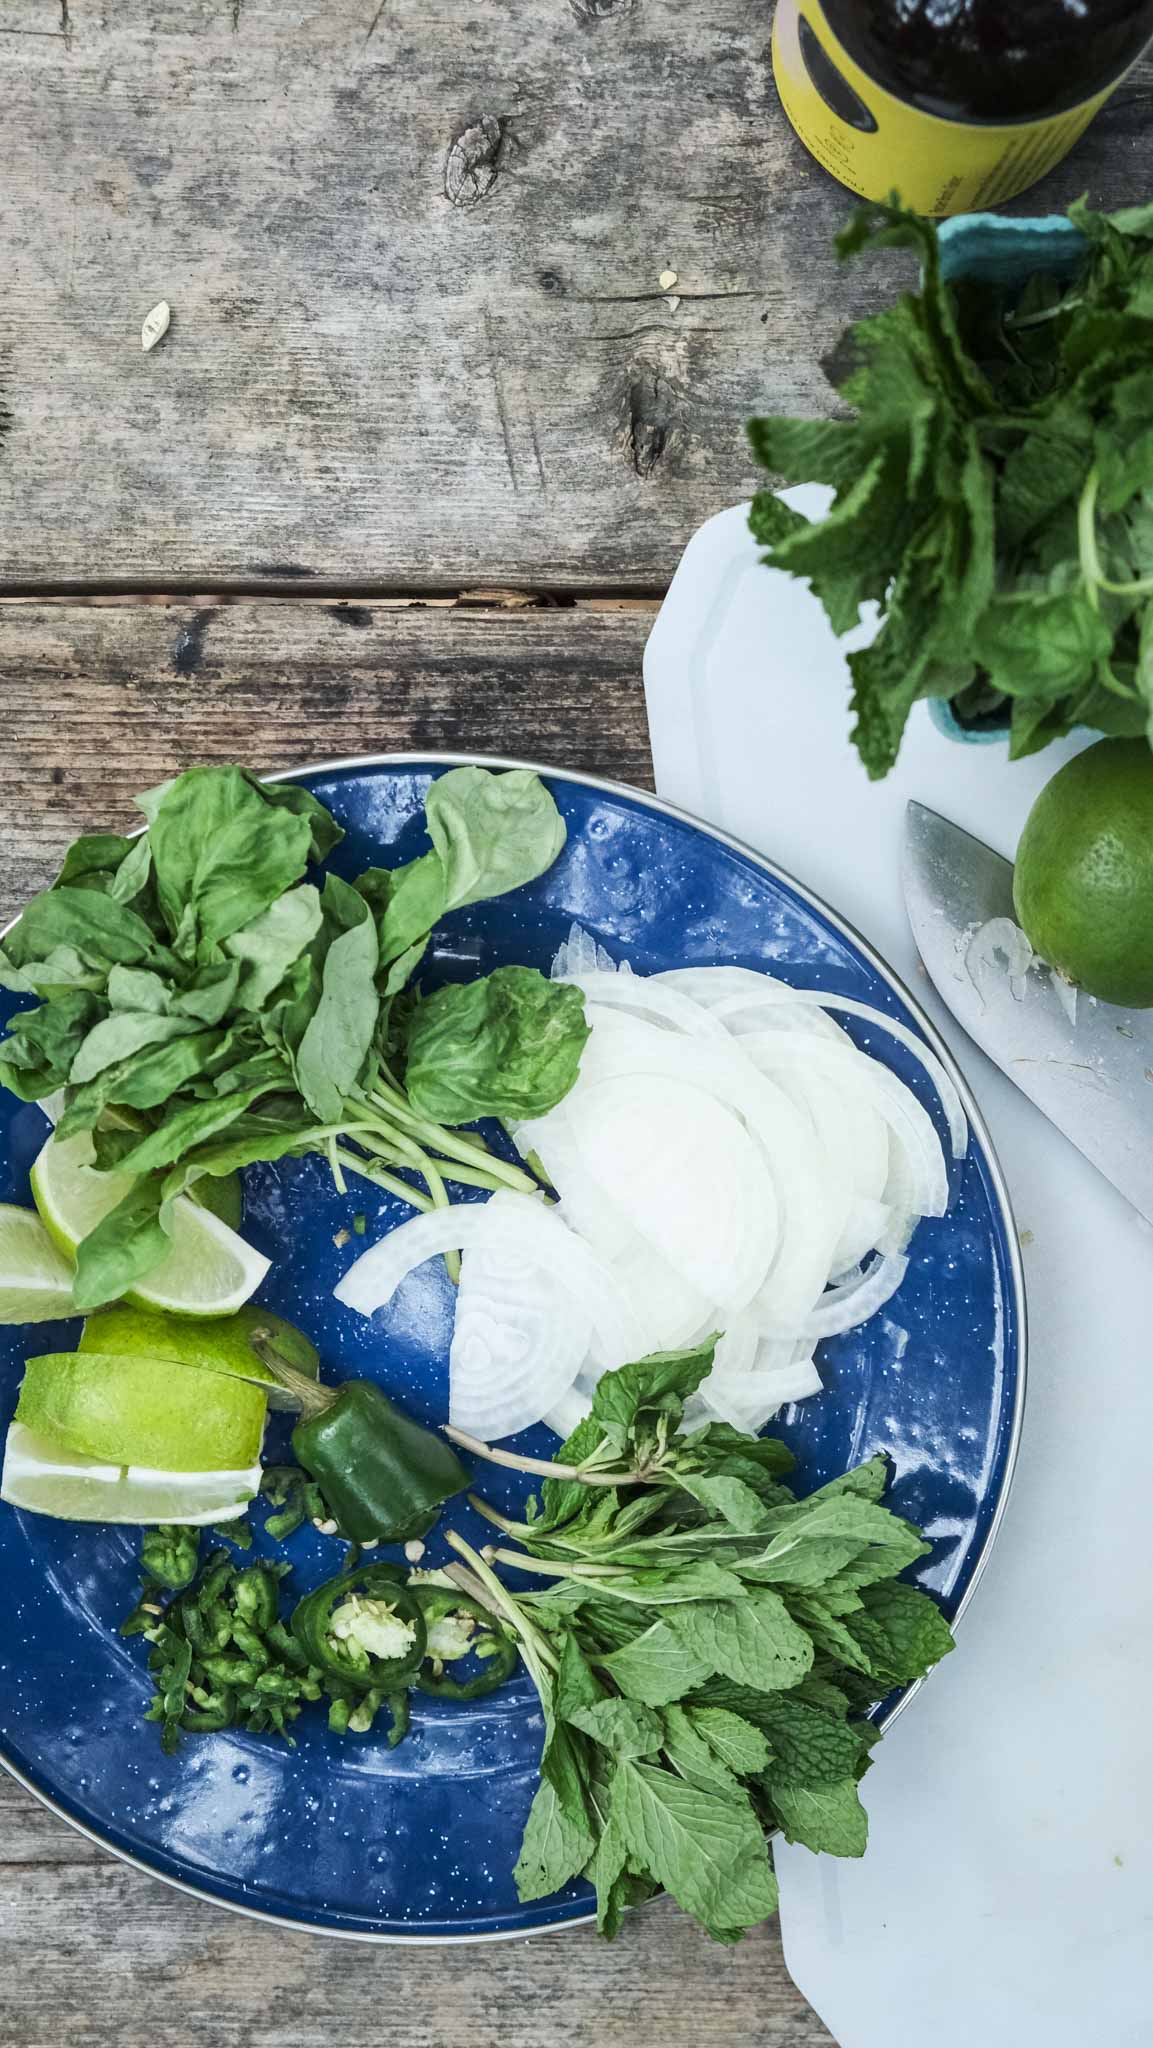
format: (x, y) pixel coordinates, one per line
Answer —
(992, 60)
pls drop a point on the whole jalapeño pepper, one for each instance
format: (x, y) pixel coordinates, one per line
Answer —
(384, 1477)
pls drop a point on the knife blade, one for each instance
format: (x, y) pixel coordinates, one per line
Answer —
(1087, 1065)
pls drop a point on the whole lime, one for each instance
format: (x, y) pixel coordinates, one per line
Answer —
(1083, 883)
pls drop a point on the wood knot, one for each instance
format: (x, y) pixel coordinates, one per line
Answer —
(598, 10)
(473, 162)
(647, 421)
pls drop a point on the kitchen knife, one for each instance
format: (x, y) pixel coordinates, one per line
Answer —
(1087, 1065)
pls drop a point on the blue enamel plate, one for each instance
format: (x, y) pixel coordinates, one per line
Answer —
(350, 1837)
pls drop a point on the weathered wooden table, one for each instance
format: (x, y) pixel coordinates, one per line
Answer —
(411, 468)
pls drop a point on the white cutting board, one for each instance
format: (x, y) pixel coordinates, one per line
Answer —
(1006, 1900)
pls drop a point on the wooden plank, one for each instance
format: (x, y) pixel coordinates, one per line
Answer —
(97, 702)
(413, 256)
(93, 1952)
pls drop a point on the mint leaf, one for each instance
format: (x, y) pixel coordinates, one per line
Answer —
(1037, 645)
(657, 1667)
(906, 1635)
(554, 1849)
(735, 1741)
(622, 1726)
(828, 1817)
(730, 1498)
(709, 1852)
(809, 1744)
(754, 1641)
(809, 451)
(575, 1685)
(657, 1385)
(694, 1758)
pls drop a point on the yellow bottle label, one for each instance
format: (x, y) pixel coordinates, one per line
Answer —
(876, 143)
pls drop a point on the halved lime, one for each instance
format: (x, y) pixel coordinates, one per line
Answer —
(221, 1345)
(35, 1282)
(129, 1410)
(43, 1477)
(210, 1270)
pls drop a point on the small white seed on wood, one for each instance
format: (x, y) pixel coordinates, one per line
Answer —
(667, 280)
(155, 325)
(672, 302)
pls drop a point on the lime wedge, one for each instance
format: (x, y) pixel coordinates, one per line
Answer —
(35, 1282)
(221, 1345)
(128, 1410)
(210, 1270)
(42, 1476)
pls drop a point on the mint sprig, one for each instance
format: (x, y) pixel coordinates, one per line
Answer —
(993, 489)
(706, 1651)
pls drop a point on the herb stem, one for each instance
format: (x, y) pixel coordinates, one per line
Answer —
(1087, 539)
(1093, 575)
(543, 1467)
(472, 1151)
(523, 1563)
(533, 1644)
(1019, 323)
(367, 1169)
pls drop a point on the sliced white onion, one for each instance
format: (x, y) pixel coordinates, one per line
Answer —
(686, 1174)
(518, 1343)
(674, 1312)
(581, 954)
(842, 1308)
(778, 995)
(726, 1162)
(645, 996)
(910, 1123)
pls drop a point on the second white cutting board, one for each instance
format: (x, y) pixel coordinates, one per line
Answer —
(1007, 1896)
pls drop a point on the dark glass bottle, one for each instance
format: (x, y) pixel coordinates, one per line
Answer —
(957, 104)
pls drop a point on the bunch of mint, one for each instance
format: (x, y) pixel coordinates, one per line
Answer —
(993, 490)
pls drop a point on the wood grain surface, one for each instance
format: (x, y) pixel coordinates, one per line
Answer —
(413, 251)
(97, 702)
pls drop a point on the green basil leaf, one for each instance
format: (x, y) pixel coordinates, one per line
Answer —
(121, 1035)
(336, 1042)
(125, 1245)
(508, 1045)
(493, 832)
(137, 988)
(100, 930)
(274, 942)
(222, 854)
(184, 1128)
(291, 796)
(94, 857)
(407, 903)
